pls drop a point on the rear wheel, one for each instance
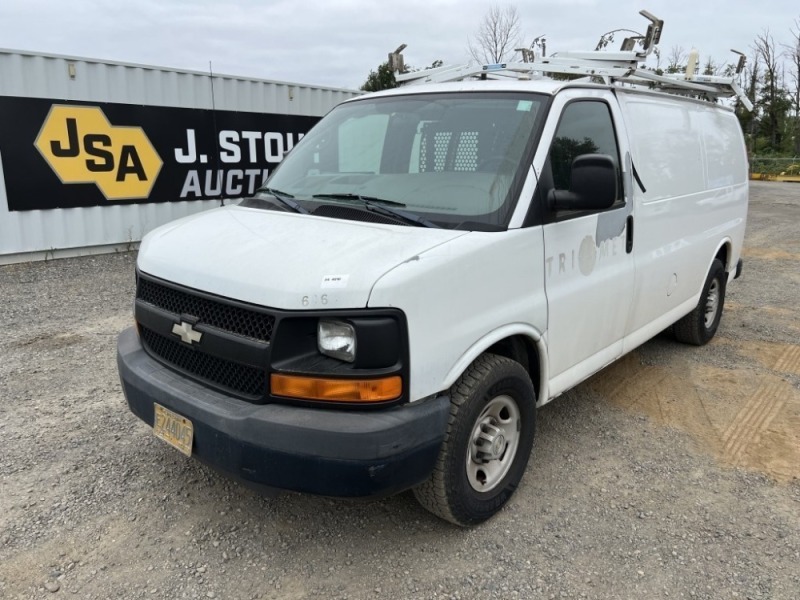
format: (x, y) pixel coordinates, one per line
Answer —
(487, 444)
(700, 325)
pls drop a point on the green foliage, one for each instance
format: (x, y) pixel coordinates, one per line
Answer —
(773, 105)
(382, 79)
(772, 129)
(767, 165)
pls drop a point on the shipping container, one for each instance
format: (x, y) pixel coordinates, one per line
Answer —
(94, 153)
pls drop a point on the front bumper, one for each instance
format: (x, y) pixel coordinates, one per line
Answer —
(315, 450)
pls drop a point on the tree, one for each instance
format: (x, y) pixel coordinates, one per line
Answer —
(792, 52)
(382, 79)
(657, 54)
(497, 36)
(773, 102)
(710, 67)
(676, 60)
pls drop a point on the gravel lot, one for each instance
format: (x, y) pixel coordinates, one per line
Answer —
(674, 473)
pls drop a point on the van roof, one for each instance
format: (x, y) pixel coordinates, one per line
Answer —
(543, 85)
(540, 86)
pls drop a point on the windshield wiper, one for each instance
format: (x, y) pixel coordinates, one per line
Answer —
(285, 199)
(358, 197)
(382, 207)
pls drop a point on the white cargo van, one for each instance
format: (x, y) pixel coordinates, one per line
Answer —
(428, 266)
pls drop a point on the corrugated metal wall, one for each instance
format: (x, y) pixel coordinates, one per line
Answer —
(26, 74)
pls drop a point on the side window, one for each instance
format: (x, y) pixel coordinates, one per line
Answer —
(586, 127)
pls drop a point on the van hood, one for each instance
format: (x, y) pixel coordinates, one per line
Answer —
(282, 260)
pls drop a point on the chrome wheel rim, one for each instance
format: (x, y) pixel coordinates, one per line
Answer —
(493, 443)
(712, 303)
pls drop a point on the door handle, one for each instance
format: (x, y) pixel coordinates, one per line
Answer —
(629, 235)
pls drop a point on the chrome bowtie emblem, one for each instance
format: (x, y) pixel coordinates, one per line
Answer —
(186, 332)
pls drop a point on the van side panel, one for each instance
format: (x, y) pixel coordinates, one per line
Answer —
(691, 160)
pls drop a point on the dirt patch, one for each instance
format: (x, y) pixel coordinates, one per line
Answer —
(48, 341)
(745, 417)
(770, 254)
(738, 397)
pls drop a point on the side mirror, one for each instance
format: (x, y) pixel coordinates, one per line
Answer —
(592, 186)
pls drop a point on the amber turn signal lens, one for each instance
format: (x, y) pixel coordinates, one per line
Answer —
(337, 390)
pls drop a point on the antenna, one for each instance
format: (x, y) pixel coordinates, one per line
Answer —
(216, 132)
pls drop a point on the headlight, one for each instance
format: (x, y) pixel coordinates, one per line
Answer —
(337, 339)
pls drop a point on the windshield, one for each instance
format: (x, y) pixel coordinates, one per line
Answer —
(453, 159)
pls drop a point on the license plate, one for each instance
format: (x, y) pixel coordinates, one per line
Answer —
(174, 429)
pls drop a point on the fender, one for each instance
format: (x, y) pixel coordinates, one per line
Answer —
(494, 336)
(729, 265)
(726, 241)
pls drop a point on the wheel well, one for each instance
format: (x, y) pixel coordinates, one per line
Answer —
(523, 350)
(722, 255)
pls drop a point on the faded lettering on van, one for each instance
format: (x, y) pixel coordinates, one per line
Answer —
(586, 257)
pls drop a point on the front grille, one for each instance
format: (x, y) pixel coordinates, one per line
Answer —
(243, 379)
(235, 319)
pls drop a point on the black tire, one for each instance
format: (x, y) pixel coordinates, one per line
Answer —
(700, 325)
(491, 383)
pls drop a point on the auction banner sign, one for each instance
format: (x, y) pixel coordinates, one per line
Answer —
(70, 154)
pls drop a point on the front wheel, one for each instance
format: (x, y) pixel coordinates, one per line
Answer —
(700, 325)
(488, 441)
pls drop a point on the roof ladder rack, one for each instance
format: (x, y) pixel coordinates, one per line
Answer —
(613, 68)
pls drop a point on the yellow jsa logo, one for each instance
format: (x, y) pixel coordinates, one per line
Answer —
(81, 146)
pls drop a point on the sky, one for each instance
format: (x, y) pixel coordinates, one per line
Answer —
(337, 42)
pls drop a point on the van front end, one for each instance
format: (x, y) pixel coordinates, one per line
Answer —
(247, 390)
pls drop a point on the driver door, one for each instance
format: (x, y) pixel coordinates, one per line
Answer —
(589, 267)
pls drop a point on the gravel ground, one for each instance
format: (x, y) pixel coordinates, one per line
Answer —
(630, 493)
